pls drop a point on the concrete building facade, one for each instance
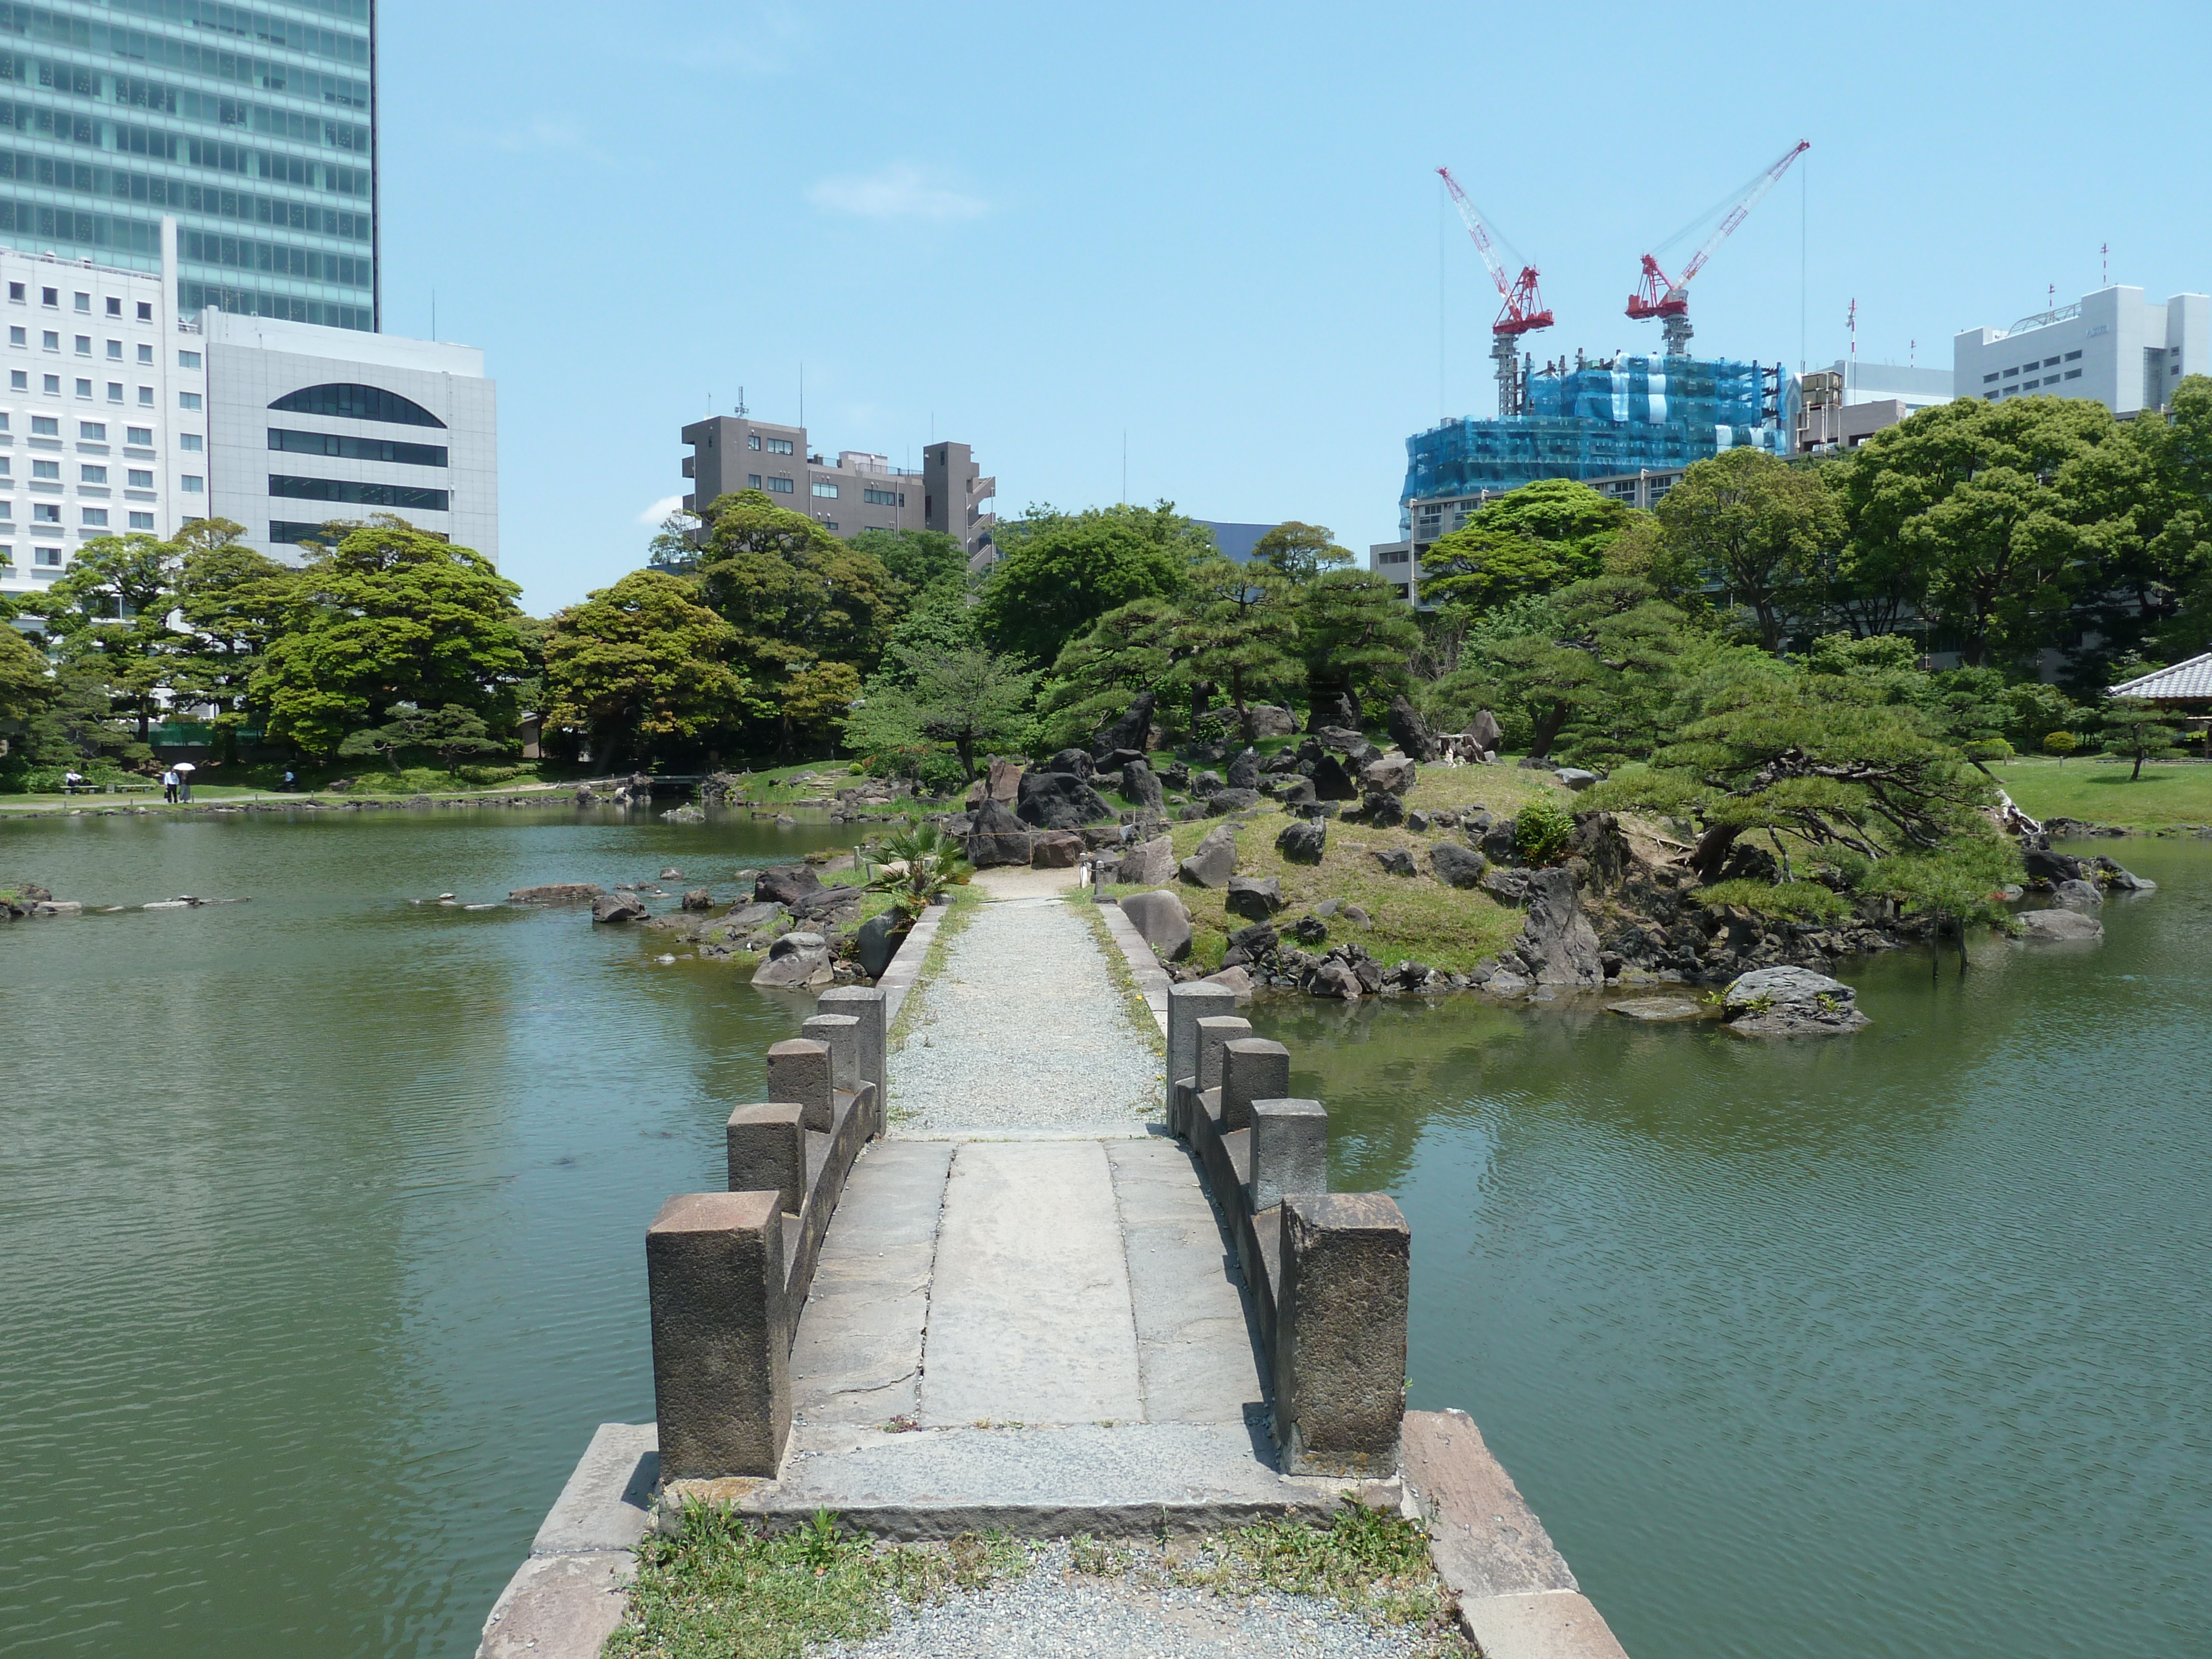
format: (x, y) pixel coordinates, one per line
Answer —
(2113, 345)
(859, 491)
(308, 424)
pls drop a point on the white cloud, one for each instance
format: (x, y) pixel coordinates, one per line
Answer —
(660, 509)
(901, 190)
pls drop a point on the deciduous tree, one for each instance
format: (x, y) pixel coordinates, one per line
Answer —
(1056, 574)
(1760, 528)
(641, 669)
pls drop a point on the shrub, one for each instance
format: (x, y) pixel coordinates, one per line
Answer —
(490, 775)
(2061, 743)
(1988, 749)
(1792, 900)
(1543, 832)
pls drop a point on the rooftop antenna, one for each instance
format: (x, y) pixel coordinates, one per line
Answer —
(802, 394)
(2105, 253)
(741, 401)
(1913, 353)
(1851, 323)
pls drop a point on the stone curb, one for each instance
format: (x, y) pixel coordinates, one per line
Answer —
(905, 968)
(1517, 1598)
(569, 1596)
(1144, 967)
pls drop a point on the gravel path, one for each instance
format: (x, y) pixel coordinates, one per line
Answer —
(1053, 1612)
(1024, 1029)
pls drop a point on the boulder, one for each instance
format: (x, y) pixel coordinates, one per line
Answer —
(1254, 897)
(1353, 912)
(1245, 770)
(1309, 930)
(672, 874)
(1302, 840)
(1654, 1010)
(1499, 841)
(1327, 709)
(996, 836)
(1213, 860)
(1003, 782)
(877, 941)
(1056, 849)
(2047, 926)
(1394, 775)
(1349, 742)
(1149, 863)
(1140, 786)
(1076, 760)
(698, 899)
(1789, 1002)
(748, 918)
(1205, 785)
(1249, 943)
(2045, 866)
(796, 960)
(1333, 979)
(1557, 941)
(1273, 720)
(1236, 979)
(1382, 809)
(1298, 791)
(558, 892)
(1456, 865)
(1419, 822)
(1060, 800)
(1409, 731)
(1576, 778)
(1129, 731)
(1483, 728)
(1160, 921)
(2078, 895)
(790, 885)
(618, 907)
(1331, 781)
(1232, 800)
(1396, 861)
(1120, 758)
(830, 905)
(2114, 876)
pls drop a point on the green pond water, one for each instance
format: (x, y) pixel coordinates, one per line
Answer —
(321, 1221)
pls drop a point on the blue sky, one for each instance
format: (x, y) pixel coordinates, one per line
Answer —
(1214, 228)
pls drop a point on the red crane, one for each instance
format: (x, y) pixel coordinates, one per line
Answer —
(1668, 298)
(1524, 311)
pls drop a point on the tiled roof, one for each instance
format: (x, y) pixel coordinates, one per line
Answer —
(2192, 678)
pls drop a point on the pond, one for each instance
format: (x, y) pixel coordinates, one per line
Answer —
(322, 1217)
(1889, 1344)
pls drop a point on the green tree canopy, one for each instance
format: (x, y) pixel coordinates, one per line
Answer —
(1300, 551)
(110, 613)
(26, 682)
(1531, 540)
(390, 615)
(965, 698)
(449, 733)
(1238, 633)
(921, 560)
(1761, 528)
(1129, 651)
(1057, 573)
(2137, 730)
(812, 614)
(1356, 635)
(640, 668)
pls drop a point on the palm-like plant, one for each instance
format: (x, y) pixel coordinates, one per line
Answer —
(933, 861)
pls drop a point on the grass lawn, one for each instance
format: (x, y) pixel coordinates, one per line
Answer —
(2100, 793)
(1416, 917)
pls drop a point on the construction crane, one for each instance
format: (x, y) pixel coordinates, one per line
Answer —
(1522, 312)
(1668, 298)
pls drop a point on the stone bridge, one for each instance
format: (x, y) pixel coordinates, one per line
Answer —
(1026, 1237)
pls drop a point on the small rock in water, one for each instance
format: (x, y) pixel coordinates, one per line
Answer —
(1789, 1002)
(480, 907)
(664, 960)
(1655, 1008)
(672, 874)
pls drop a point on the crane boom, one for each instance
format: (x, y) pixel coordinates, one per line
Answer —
(1668, 298)
(1523, 308)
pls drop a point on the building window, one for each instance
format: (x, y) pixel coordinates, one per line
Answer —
(356, 449)
(45, 512)
(779, 446)
(1991, 396)
(87, 472)
(188, 400)
(84, 345)
(1990, 376)
(141, 436)
(115, 351)
(49, 340)
(1398, 556)
(350, 402)
(84, 388)
(145, 397)
(84, 302)
(883, 497)
(18, 380)
(828, 491)
(752, 481)
(782, 486)
(18, 336)
(95, 430)
(139, 479)
(115, 391)
(752, 441)
(2071, 356)
(51, 298)
(2010, 372)
(188, 360)
(146, 354)
(193, 484)
(2051, 362)
(51, 557)
(829, 524)
(189, 441)
(145, 310)
(114, 306)
(142, 521)
(51, 385)
(46, 469)
(95, 518)
(357, 493)
(15, 292)
(45, 425)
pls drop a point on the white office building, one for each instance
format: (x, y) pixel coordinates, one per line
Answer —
(2112, 345)
(121, 416)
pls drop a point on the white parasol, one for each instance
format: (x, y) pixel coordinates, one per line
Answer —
(183, 766)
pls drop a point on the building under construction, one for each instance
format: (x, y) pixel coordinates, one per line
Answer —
(1628, 427)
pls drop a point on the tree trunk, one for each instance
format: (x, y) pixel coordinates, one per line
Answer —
(965, 748)
(2135, 774)
(1713, 851)
(1547, 728)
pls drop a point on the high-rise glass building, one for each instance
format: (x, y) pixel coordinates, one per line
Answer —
(253, 125)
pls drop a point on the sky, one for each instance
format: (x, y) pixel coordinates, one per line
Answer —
(1211, 237)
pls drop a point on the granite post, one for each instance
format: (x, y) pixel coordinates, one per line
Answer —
(799, 1069)
(1215, 1032)
(1339, 1357)
(842, 1033)
(1188, 1004)
(721, 1339)
(1290, 1150)
(1252, 1068)
(767, 1149)
(866, 1004)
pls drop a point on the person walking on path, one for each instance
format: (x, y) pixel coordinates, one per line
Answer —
(169, 780)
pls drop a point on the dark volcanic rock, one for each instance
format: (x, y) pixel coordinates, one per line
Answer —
(790, 885)
(996, 836)
(1558, 940)
(558, 892)
(877, 941)
(1789, 1002)
(1232, 800)
(1254, 897)
(618, 907)
(1059, 800)
(1331, 782)
(1397, 861)
(1456, 865)
(1409, 731)
(1141, 785)
(1127, 732)
(1075, 761)
(1303, 842)
(1245, 770)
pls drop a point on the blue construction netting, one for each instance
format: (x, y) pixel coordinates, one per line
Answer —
(1630, 415)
